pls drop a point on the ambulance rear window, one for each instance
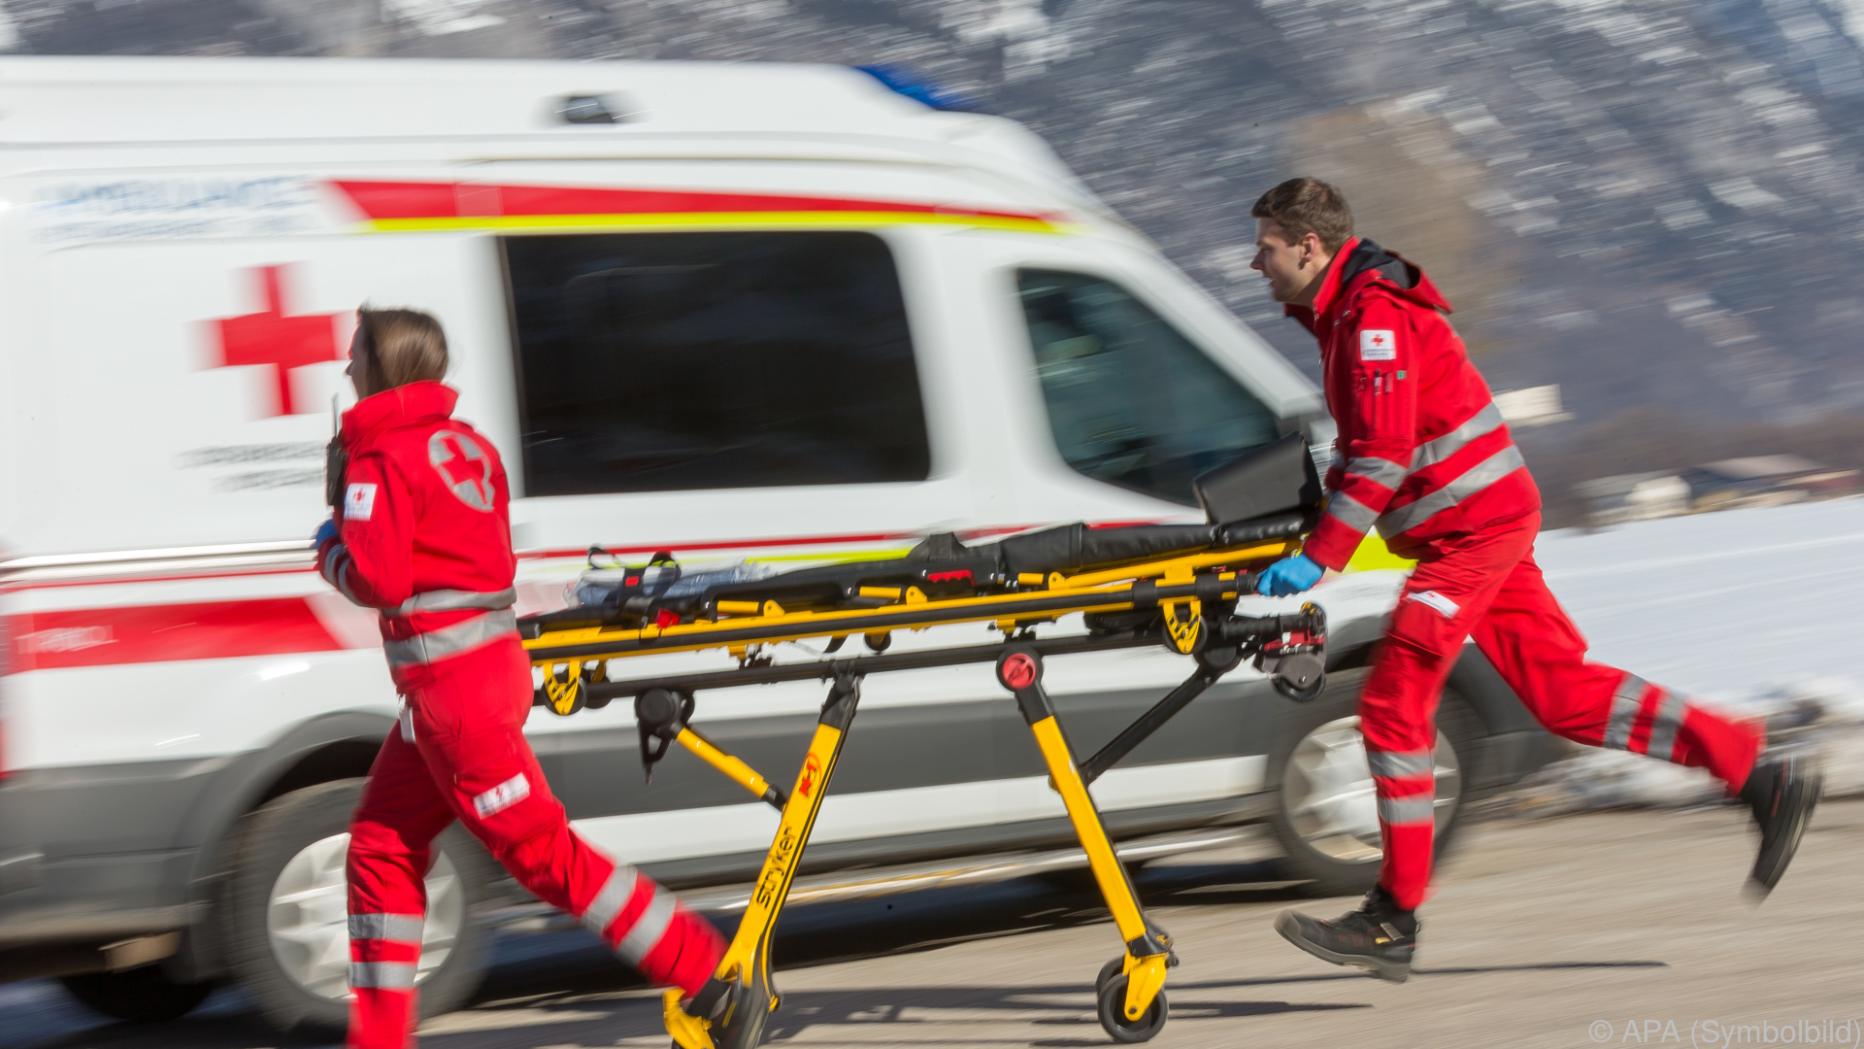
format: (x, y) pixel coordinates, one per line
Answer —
(670, 361)
(1130, 400)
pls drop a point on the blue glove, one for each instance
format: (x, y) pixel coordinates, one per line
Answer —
(325, 532)
(1290, 575)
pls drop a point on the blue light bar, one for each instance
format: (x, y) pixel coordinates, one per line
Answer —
(926, 93)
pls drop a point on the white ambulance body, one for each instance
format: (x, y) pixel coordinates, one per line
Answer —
(733, 312)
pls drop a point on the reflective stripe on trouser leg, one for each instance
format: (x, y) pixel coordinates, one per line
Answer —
(649, 930)
(1408, 812)
(1642, 727)
(1400, 764)
(383, 976)
(1664, 725)
(1625, 703)
(631, 913)
(1407, 824)
(385, 952)
(1656, 722)
(397, 928)
(614, 894)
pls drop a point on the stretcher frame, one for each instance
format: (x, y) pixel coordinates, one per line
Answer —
(1184, 602)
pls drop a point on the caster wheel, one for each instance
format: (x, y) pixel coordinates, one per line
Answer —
(1298, 691)
(1111, 1007)
(1108, 971)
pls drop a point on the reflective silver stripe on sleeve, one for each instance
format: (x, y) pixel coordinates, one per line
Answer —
(398, 928)
(1400, 763)
(1466, 484)
(1351, 512)
(1407, 812)
(648, 929)
(337, 572)
(1624, 712)
(609, 899)
(343, 583)
(1434, 451)
(382, 976)
(455, 600)
(334, 562)
(1663, 728)
(1384, 471)
(451, 641)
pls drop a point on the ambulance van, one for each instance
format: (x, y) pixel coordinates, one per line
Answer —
(742, 313)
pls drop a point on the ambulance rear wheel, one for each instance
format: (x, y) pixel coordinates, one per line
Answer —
(1111, 1008)
(285, 917)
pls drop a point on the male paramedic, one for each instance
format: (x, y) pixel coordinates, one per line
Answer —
(1423, 454)
(421, 535)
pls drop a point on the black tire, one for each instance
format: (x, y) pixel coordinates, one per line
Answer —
(1110, 1007)
(1323, 874)
(141, 995)
(266, 840)
(1116, 967)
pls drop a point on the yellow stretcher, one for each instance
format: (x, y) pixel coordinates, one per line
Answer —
(1184, 601)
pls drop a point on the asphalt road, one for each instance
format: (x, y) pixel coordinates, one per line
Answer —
(1605, 929)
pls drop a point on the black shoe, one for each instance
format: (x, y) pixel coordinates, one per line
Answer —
(1781, 792)
(1378, 936)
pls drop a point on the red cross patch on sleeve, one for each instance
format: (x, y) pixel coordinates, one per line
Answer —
(1377, 344)
(359, 502)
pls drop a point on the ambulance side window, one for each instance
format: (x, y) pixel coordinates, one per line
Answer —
(669, 361)
(1130, 400)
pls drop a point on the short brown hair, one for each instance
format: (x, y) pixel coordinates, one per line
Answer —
(403, 346)
(1308, 205)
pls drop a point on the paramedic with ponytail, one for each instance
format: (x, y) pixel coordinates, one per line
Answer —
(420, 533)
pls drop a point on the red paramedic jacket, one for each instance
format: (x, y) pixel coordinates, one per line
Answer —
(423, 533)
(1422, 451)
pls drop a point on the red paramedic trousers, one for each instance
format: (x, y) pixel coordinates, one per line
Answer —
(1487, 587)
(460, 753)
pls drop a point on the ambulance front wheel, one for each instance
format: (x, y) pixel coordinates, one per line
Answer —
(1110, 1005)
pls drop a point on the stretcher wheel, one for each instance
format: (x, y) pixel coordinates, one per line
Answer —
(1110, 1005)
(1116, 967)
(1300, 678)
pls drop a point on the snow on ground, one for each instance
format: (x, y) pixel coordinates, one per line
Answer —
(1757, 611)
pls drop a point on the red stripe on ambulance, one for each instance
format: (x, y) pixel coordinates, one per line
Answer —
(89, 637)
(429, 200)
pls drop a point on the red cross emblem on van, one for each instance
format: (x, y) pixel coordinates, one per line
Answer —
(277, 340)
